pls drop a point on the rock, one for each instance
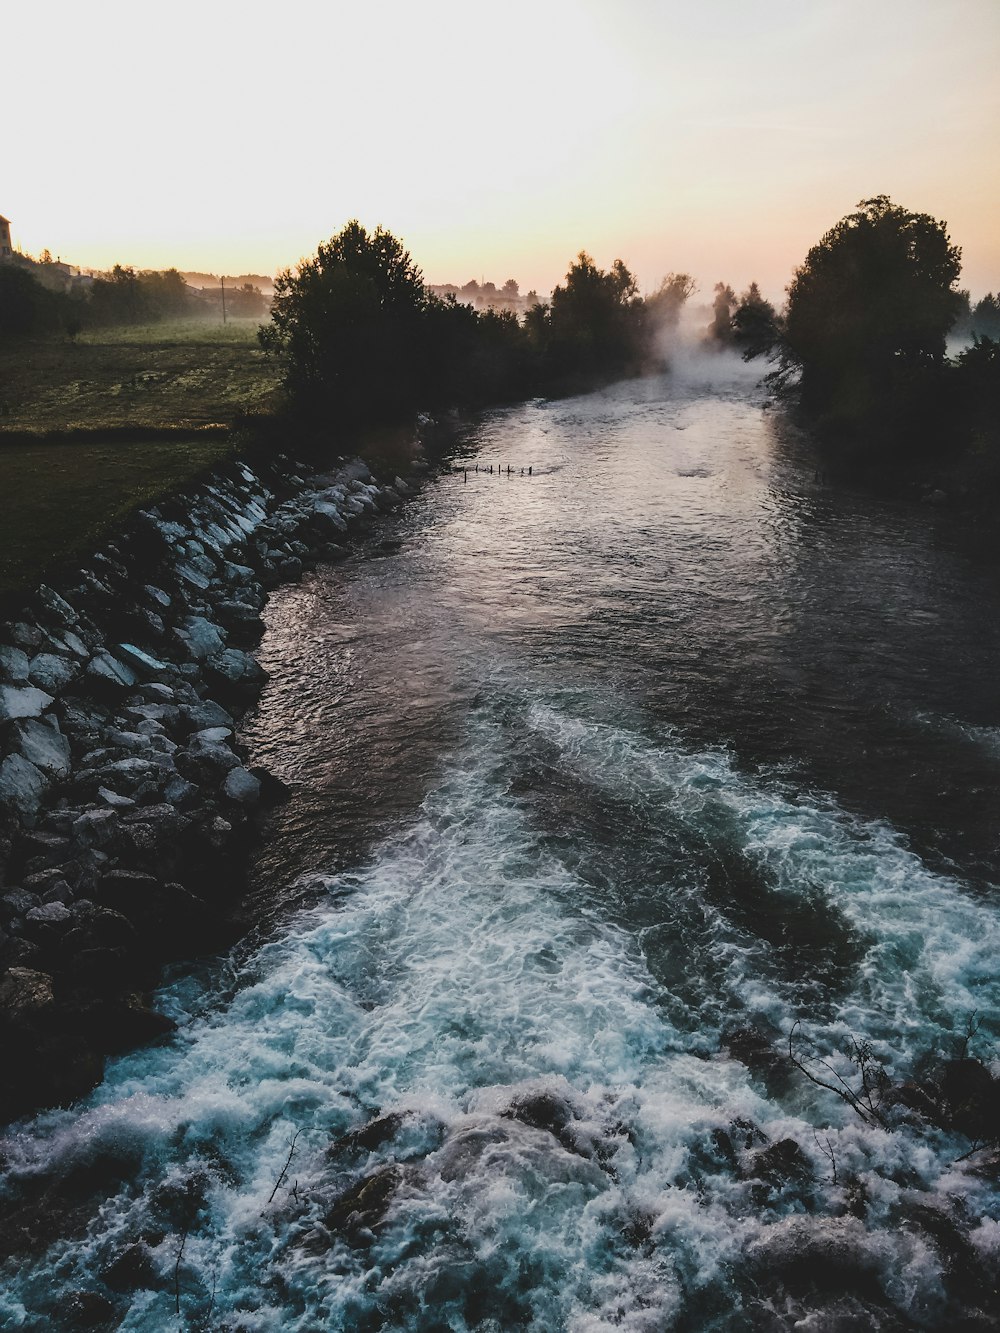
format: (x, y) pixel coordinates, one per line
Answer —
(201, 637)
(52, 673)
(782, 1163)
(18, 902)
(116, 802)
(22, 701)
(373, 1135)
(47, 922)
(86, 1309)
(142, 664)
(198, 717)
(22, 786)
(234, 667)
(357, 1212)
(95, 828)
(109, 675)
(131, 1269)
(25, 992)
(178, 790)
(44, 746)
(241, 786)
(13, 663)
(57, 605)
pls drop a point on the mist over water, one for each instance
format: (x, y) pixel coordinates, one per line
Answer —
(591, 770)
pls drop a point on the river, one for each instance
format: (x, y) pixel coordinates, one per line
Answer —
(593, 771)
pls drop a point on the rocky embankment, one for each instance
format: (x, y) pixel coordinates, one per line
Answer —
(126, 807)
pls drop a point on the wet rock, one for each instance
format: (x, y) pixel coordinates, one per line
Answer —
(754, 1049)
(235, 669)
(18, 701)
(973, 1098)
(359, 1211)
(86, 1309)
(22, 786)
(241, 786)
(131, 1269)
(383, 1129)
(781, 1164)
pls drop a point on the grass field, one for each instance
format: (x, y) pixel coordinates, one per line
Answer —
(58, 498)
(189, 373)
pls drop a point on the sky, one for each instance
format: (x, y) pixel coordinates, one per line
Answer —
(720, 138)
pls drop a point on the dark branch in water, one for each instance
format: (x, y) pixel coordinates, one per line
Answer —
(288, 1162)
(866, 1100)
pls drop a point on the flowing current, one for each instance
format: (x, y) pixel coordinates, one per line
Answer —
(604, 781)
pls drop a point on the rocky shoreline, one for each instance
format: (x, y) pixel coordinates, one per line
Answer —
(126, 806)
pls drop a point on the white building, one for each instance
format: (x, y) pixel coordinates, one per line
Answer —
(6, 248)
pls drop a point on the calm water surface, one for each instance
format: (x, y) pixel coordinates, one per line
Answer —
(590, 771)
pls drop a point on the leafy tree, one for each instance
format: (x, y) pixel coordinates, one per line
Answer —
(869, 309)
(665, 305)
(984, 317)
(755, 325)
(348, 324)
(595, 322)
(720, 331)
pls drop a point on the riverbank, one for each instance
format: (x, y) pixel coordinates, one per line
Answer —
(126, 809)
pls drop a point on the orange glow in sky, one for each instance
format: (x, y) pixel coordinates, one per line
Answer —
(721, 138)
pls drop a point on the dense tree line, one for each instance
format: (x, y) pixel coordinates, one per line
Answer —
(362, 337)
(33, 308)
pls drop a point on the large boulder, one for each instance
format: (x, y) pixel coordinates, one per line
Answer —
(13, 663)
(52, 673)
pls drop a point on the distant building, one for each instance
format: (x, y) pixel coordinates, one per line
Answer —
(6, 248)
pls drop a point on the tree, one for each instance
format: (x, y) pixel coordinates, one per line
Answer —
(664, 306)
(869, 308)
(595, 322)
(755, 325)
(720, 331)
(348, 325)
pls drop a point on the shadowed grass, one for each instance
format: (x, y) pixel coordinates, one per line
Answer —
(57, 500)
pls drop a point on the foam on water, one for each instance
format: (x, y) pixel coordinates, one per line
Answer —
(464, 973)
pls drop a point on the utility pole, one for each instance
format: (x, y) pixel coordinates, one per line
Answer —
(223, 298)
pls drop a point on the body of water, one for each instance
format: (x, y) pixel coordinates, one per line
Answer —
(605, 782)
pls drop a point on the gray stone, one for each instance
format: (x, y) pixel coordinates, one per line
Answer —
(144, 666)
(22, 786)
(240, 785)
(52, 673)
(95, 828)
(57, 605)
(201, 637)
(108, 671)
(157, 595)
(13, 662)
(178, 790)
(237, 667)
(22, 701)
(209, 736)
(50, 914)
(44, 745)
(115, 801)
(28, 637)
(207, 714)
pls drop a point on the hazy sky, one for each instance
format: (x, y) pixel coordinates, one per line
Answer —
(721, 137)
